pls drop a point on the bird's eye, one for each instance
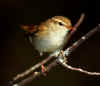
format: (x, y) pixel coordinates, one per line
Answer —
(60, 23)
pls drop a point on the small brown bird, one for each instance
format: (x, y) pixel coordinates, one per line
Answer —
(50, 35)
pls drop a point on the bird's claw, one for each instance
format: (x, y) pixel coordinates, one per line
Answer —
(61, 57)
(43, 70)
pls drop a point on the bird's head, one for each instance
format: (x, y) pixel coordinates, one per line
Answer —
(59, 22)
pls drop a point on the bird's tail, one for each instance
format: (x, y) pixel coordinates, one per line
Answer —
(28, 28)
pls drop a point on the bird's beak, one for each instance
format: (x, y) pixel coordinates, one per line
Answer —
(69, 27)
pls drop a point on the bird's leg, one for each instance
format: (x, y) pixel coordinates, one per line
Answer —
(43, 70)
(57, 53)
(61, 57)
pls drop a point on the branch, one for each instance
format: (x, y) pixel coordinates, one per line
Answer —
(82, 39)
(79, 22)
(28, 71)
(79, 69)
(62, 60)
(35, 74)
(59, 58)
(75, 27)
(74, 46)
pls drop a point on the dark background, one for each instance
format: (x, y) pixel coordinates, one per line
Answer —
(16, 54)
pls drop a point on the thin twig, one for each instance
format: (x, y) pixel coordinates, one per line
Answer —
(79, 22)
(81, 40)
(80, 70)
(36, 74)
(74, 46)
(75, 27)
(28, 71)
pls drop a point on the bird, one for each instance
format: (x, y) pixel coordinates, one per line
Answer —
(50, 35)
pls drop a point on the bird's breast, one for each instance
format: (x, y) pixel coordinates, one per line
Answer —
(50, 42)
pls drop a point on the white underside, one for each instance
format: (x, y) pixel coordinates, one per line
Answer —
(51, 42)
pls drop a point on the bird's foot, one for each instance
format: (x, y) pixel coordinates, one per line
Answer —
(43, 70)
(62, 58)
